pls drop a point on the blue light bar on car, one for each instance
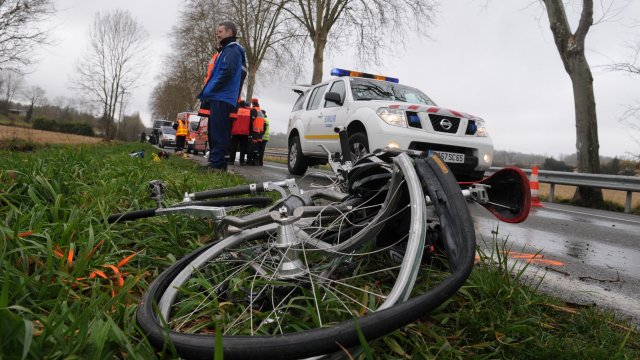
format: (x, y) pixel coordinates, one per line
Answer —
(343, 72)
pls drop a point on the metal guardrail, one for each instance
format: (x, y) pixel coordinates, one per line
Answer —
(276, 154)
(629, 184)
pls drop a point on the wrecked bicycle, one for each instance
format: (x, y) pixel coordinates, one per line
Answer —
(388, 241)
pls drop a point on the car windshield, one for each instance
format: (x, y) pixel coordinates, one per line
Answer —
(366, 89)
(194, 125)
(168, 130)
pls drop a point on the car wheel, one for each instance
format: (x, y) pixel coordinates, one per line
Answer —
(358, 146)
(297, 162)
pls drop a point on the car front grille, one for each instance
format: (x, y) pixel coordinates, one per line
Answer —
(445, 124)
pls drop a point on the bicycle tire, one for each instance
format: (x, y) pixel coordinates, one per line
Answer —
(460, 242)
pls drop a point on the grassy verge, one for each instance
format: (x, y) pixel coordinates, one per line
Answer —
(69, 284)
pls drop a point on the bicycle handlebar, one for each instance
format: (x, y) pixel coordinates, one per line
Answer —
(237, 190)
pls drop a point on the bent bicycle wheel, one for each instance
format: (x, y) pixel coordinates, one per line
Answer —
(277, 299)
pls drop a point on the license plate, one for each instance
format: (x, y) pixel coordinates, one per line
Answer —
(450, 157)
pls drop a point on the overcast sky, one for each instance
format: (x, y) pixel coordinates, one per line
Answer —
(499, 63)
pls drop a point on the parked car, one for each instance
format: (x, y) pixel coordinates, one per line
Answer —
(379, 112)
(154, 138)
(167, 136)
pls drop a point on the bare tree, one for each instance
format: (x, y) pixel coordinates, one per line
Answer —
(113, 63)
(571, 47)
(193, 43)
(369, 24)
(20, 31)
(174, 94)
(34, 96)
(130, 128)
(11, 82)
(631, 116)
(264, 31)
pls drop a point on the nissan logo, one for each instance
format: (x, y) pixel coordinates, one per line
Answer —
(446, 124)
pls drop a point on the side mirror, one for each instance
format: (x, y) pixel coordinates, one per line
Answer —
(333, 97)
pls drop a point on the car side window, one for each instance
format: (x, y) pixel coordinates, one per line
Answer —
(336, 87)
(317, 97)
(298, 105)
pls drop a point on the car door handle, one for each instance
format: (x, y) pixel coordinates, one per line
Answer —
(320, 115)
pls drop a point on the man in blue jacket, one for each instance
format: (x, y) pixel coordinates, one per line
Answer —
(222, 92)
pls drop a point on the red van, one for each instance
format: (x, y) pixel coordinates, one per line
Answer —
(200, 135)
(195, 140)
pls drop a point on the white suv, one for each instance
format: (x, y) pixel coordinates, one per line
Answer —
(382, 113)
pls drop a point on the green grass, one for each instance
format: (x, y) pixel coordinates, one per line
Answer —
(55, 200)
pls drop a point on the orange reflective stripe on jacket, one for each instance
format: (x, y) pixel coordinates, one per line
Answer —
(182, 128)
(210, 67)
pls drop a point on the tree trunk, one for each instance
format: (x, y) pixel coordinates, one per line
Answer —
(251, 80)
(319, 43)
(29, 113)
(571, 48)
(587, 144)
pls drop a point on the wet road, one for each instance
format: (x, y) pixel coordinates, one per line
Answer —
(586, 256)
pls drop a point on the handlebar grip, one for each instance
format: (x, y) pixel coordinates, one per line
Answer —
(133, 215)
(344, 145)
(237, 190)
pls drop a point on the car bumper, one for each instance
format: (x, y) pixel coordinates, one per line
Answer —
(478, 151)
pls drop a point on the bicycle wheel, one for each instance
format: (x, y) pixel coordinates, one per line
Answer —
(304, 298)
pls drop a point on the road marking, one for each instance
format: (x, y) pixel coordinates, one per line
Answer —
(590, 214)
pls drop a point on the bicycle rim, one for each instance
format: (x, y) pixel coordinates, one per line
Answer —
(238, 287)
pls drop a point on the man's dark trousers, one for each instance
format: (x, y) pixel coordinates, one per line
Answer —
(219, 130)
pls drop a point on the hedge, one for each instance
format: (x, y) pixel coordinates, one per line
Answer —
(69, 128)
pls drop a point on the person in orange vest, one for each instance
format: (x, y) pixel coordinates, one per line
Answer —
(222, 91)
(181, 135)
(205, 108)
(257, 130)
(265, 137)
(240, 132)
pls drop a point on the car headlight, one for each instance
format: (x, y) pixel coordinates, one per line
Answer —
(482, 130)
(393, 117)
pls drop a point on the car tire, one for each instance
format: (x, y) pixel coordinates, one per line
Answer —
(296, 161)
(358, 146)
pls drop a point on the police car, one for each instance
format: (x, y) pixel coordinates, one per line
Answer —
(379, 112)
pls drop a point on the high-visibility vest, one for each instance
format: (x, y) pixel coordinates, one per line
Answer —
(258, 124)
(257, 127)
(265, 137)
(210, 67)
(182, 128)
(241, 124)
(205, 110)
